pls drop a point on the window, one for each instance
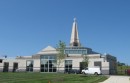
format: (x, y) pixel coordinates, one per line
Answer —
(83, 51)
(68, 65)
(29, 65)
(75, 50)
(98, 63)
(48, 63)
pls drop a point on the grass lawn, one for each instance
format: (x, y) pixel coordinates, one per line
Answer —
(46, 77)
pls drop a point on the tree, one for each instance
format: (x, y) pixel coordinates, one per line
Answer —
(121, 64)
(61, 55)
(85, 61)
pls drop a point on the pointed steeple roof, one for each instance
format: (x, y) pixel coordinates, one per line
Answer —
(74, 41)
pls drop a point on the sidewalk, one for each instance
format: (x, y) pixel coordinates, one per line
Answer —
(117, 79)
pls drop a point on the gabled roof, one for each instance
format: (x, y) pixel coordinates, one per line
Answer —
(48, 50)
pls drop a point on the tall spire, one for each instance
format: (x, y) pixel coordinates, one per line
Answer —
(74, 41)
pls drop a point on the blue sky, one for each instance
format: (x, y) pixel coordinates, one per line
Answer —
(27, 26)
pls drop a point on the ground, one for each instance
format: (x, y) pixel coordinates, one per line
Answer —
(117, 79)
(49, 78)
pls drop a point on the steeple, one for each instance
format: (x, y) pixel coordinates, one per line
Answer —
(74, 41)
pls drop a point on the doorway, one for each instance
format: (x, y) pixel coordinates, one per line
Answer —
(68, 66)
(48, 63)
(6, 67)
(15, 66)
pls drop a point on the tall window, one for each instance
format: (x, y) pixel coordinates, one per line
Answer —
(68, 65)
(29, 65)
(48, 63)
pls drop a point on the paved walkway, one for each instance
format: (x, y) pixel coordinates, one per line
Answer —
(117, 79)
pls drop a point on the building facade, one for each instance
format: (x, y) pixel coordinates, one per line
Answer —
(46, 59)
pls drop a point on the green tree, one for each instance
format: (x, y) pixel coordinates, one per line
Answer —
(121, 64)
(85, 61)
(61, 55)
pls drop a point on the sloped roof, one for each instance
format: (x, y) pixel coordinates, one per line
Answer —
(48, 50)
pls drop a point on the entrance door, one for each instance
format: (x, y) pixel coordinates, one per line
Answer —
(6, 67)
(49, 66)
(48, 63)
(68, 66)
(15, 66)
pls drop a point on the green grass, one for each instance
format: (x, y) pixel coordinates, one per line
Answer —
(46, 77)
